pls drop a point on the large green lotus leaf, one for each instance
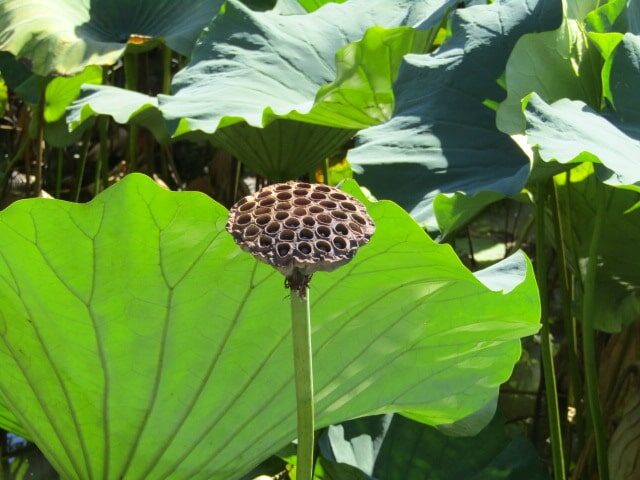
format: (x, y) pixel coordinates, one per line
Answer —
(64, 36)
(571, 132)
(138, 341)
(453, 211)
(442, 137)
(555, 65)
(255, 68)
(618, 274)
(61, 91)
(615, 16)
(393, 447)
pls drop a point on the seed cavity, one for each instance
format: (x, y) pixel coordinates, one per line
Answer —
(359, 219)
(272, 228)
(292, 223)
(265, 241)
(247, 206)
(243, 219)
(340, 243)
(251, 232)
(324, 218)
(267, 202)
(328, 204)
(262, 220)
(305, 234)
(287, 235)
(304, 248)
(323, 231)
(341, 229)
(323, 246)
(301, 202)
(284, 196)
(348, 206)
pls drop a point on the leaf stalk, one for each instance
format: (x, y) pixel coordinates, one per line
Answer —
(553, 409)
(303, 372)
(588, 336)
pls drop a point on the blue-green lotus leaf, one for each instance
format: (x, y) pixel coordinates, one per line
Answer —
(331, 69)
(571, 132)
(442, 137)
(148, 345)
(393, 447)
(64, 36)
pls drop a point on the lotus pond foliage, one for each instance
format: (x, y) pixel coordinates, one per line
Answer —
(138, 341)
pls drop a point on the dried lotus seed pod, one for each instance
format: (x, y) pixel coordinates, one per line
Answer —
(300, 228)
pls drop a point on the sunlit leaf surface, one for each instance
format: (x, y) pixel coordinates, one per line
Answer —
(138, 341)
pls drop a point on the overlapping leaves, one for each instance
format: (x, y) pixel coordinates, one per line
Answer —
(147, 345)
(254, 77)
(65, 36)
(442, 137)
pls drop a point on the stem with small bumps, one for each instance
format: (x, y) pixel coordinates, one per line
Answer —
(303, 373)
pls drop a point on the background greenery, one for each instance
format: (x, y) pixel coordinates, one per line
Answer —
(139, 342)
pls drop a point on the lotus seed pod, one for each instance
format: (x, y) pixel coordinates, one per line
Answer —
(300, 228)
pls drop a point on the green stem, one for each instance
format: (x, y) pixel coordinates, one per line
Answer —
(39, 119)
(236, 183)
(553, 409)
(22, 148)
(588, 336)
(131, 83)
(166, 70)
(86, 143)
(303, 370)
(59, 164)
(103, 157)
(569, 320)
(325, 171)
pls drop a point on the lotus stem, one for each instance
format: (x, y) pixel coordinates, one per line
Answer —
(553, 410)
(303, 372)
(166, 70)
(39, 119)
(103, 157)
(569, 320)
(588, 336)
(59, 164)
(131, 83)
(86, 143)
(325, 170)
